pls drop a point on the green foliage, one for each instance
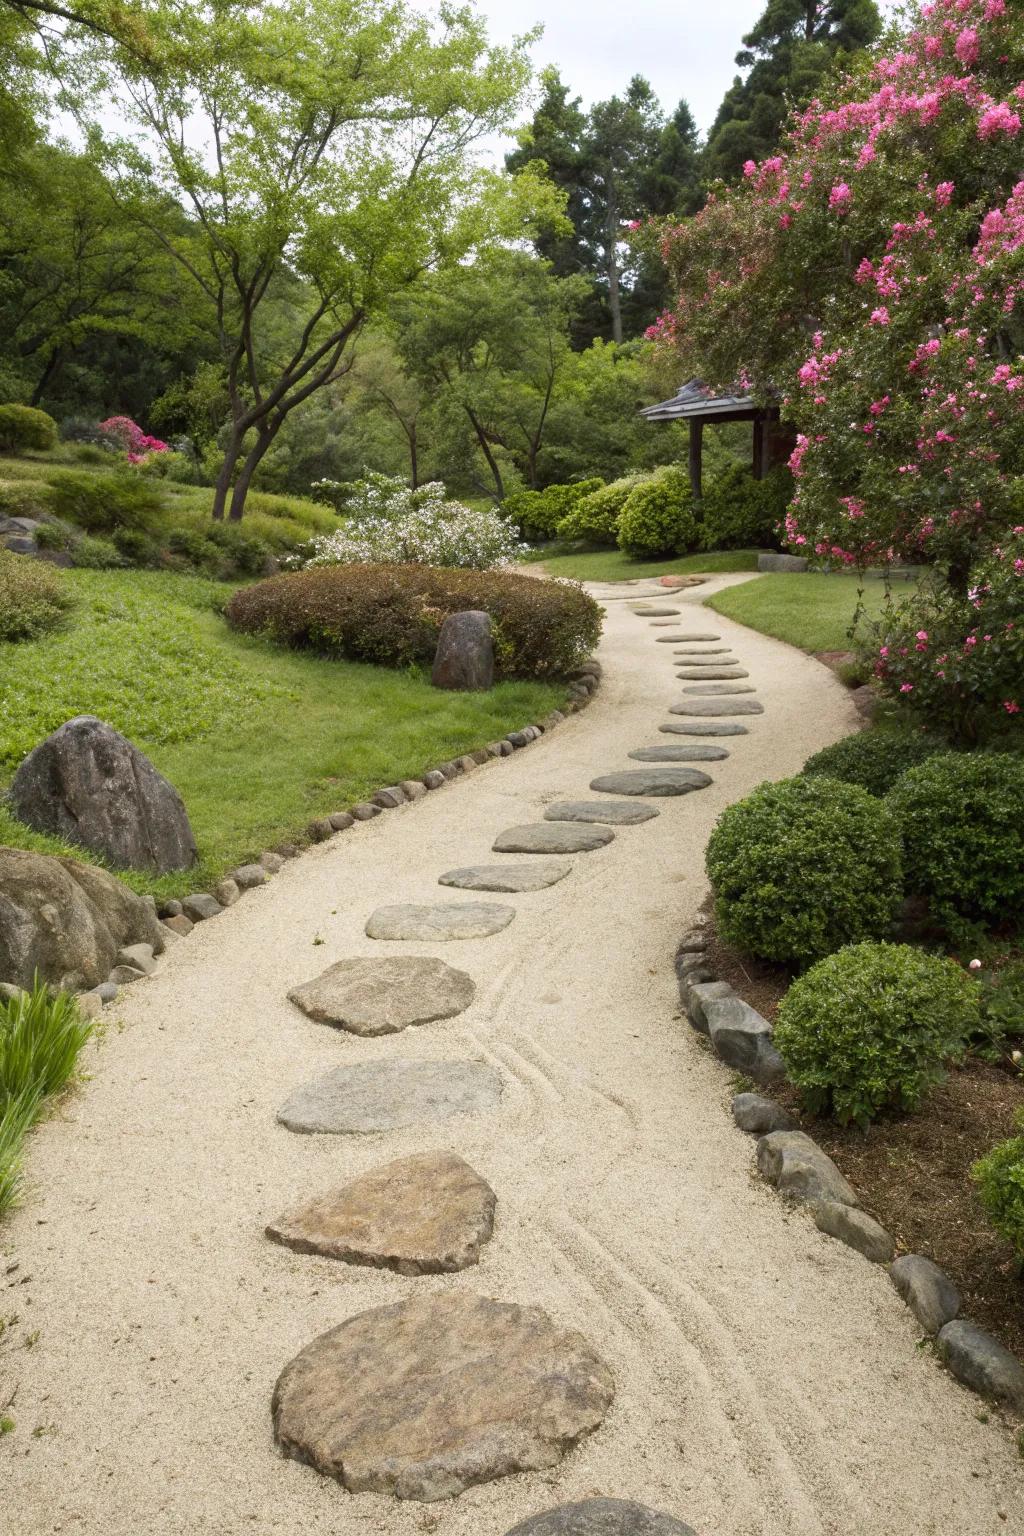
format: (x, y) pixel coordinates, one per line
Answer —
(595, 516)
(34, 597)
(811, 611)
(802, 867)
(657, 517)
(104, 503)
(541, 513)
(870, 1027)
(392, 614)
(1000, 1180)
(962, 820)
(740, 512)
(98, 555)
(612, 565)
(874, 759)
(26, 430)
(24, 498)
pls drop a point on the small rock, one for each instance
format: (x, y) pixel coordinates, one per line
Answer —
(481, 756)
(689, 960)
(550, 721)
(698, 995)
(274, 862)
(226, 892)
(434, 779)
(694, 938)
(364, 811)
(340, 822)
(180, 925)
(389, 798)
(138, 955)
(286, 851)
(412, 789)
(855, 1228)
(494, 749)
(199, 907)
(106, 991)
(124, 975)
(441, 923)
(248, 876)
(800, 1169)
(602, 1517)
(450, 770)
(464, 658)
(90, 1005)
(981, 1363)
(320, 830)
(743, 1038)
(927, 1290)
(170, 908)
(468, 764)
(505, 748)
(760, 1116)
(518, 738)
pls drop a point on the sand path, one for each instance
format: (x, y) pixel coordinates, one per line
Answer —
(769, 1381)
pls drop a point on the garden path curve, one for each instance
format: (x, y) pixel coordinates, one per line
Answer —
(768, 1380)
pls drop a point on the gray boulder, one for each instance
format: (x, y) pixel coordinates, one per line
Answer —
(981, 1363)
(66, 920)
(464, 659)
(927, 1290)
(602, 1517)
(743, 1038)
(752, 1112)
(772, 562)
(855, 1228)
(800, 1169)
(88, 784)
(695, 996)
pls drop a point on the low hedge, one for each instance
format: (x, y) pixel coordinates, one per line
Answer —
(34, 597)
(392, 614)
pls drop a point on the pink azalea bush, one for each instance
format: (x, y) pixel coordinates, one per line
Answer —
(129, 436)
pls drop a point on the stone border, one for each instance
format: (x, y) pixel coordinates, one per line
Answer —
(801, 1172)
(179, 918)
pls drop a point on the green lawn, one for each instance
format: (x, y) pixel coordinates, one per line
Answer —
(813, 612)
(257, 740)
(612, 565)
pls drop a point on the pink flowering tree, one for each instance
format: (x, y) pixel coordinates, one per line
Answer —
(129, 436)
(871, 276)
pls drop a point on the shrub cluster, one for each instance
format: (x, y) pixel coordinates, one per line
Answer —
(802, 867)
(740, 512)
(873, 759)
(23, 429)
(34, 597)
(1000, 1180)
(392, 614)
(389, 524)
(539, 513)
(105, 503)
(596, 516)
(658, 516)
(870, 1027)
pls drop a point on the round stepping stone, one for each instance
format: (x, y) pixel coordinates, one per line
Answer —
(651, 781)
(380, 997)
(708, 659)
(441, 923)
(709, 650)
(389, 1095)
(672, 754)
(719, 688)
(705, 728)
(552, 837)
(429, 1214)
(718, 707)
(683, 639)
(602, 1517)
(706, 674)
(612, 812)
(430, 1396)
(506, 877)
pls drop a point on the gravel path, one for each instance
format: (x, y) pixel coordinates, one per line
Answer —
(768, 1381)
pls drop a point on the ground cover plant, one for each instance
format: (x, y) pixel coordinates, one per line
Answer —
(257, 739)
(34, 598)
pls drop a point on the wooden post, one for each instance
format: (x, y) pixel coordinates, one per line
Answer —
(759, 448)
(696, 459)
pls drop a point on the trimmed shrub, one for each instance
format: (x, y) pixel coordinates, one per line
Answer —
(24, 498)
(658, 516)
(91, 554)
(103, 503)
(869, 1028)
(596, 516)
(34, 597)
(23, 429)
(740, 512)
(873, 759)
(1000, 1180)
(392, 614)
(962, 819)
(539, 513)
(802, 867)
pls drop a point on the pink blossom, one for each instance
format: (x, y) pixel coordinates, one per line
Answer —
(880, 316)
(998, 119)
(840, 197)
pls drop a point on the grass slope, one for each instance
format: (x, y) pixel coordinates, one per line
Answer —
(612, 565)
(813, 612)
(257, 740)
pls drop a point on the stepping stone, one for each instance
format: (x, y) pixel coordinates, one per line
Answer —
(657, 613)
(706, 674)
(380, 997)
(427, 1397)
(660, 623)
(711, 659)
(602, 1517)
(552, 837)
(506, 877)
(705, 728)
(651, 781)
(719, 688)
(613, 812)
(429, 1214)
(708, 650)
(683, 639)
(718, 707)
(440, 923)
(389, 1095)
(672, 754)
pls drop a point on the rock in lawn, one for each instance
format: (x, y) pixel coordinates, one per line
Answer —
(389, 1095)
(412, 789)
(982, 1364)
(381, 997)
(800, 1169)
(428, 1214)
(927, 1290)
(430, 1396)
(602, 1517)
(855, 1228)
(464, 659)
(88, 784)
(226, 892)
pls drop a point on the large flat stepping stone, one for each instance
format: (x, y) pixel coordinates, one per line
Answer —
(388, 1096)
(683, 639)
(651, 781)
(552, 837)
(428, 1397)
(506, 877)
(440, 923)
(704, 650)
(429, 1214)
(657, 613)
(709, 674)
(705, 728)
(718, 688)
(698, 753)
(380, 997)
(709, 659)
(602, 1517)
(718, 707)
(615, 813)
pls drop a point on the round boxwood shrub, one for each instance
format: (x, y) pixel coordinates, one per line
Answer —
(870, 1027)
(740, 512)
(34, 597)
(658, 516)
(873, 759)
(392, 614)
(1000, 1181)
(802, 867)
(596, 516)
(962, 820)
(23, 429)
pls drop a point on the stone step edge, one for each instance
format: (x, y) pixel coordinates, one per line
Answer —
(973, 1357)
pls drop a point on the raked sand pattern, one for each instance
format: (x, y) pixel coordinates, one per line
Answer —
(669, 1333)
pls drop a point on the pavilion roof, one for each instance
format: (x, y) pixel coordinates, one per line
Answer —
(694, 401)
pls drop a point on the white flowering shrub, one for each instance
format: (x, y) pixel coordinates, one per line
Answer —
(388, 524)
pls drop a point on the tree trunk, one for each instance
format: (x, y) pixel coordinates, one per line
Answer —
(696, 460)
(265, 437)
(485, 449)
(53, 366)
(227, 469)
(612, 263)
(414, 457)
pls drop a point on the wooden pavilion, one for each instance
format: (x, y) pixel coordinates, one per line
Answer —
(698, 405)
